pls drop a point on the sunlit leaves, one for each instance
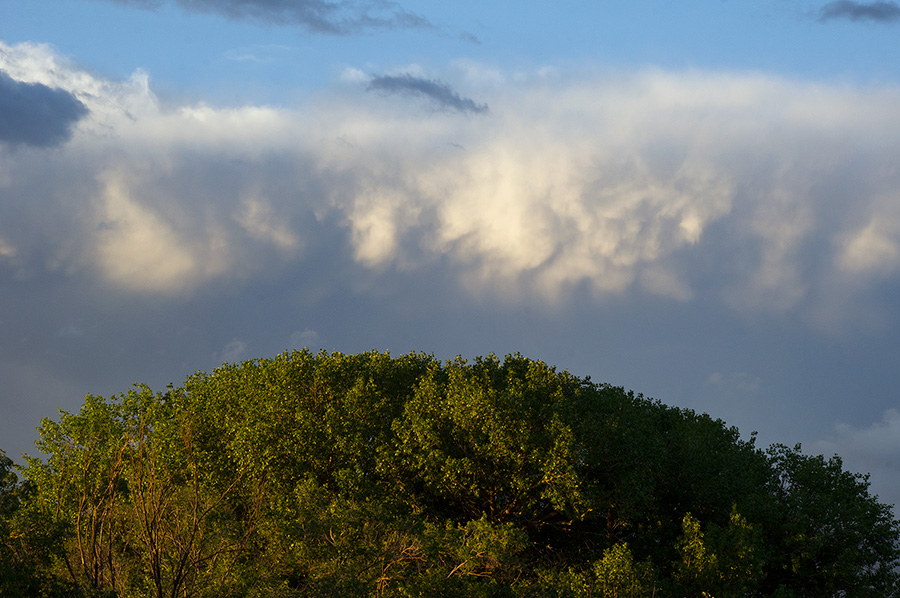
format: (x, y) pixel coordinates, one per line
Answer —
(371, 475)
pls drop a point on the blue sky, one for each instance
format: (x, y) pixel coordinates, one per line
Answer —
(697, 201)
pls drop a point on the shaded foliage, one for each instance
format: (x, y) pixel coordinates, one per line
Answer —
(369, 475)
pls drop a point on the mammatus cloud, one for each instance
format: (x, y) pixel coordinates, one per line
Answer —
(317, 16)
(441, 94)
(884, 12)
(35, 114)
(752, 191)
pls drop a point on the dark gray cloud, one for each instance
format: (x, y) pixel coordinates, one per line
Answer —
(883, 12)
(35, 114)
(318, 16)
(438, 92)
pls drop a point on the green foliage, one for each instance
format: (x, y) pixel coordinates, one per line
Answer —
(369, 475)
(832, 538)
(723, 561)
(487, 438)
(617, 575)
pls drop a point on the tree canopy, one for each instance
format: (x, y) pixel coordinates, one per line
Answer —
(372, 475)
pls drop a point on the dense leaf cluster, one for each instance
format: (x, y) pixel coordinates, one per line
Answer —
(368, 475)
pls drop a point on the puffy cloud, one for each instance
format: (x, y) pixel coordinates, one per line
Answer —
(111, 104)
(764, 193)
(608, 223)
(884, 12)
(874, 247)
(140, 248)
(35, 114)
(441, 94)
(258, 219)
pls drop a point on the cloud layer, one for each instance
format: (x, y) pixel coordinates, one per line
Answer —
(690, 192)
(771, 195)
(685, 227)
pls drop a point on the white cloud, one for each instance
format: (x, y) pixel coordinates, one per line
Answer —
(374, 225)
(874, 248)
(142, 249)
(258, 218)
(354, 75)
(767, 192)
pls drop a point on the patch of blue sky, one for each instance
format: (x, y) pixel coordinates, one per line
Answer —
(212, 58)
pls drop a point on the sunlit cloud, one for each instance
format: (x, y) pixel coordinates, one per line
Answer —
(257, 217)
(874, 247)
(142, 249)
(755, 190)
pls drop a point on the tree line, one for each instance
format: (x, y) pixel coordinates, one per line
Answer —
(372, 475)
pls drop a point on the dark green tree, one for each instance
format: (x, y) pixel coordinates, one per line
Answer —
(832, 537)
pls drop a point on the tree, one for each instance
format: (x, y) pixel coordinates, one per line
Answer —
(79, 489)
(186, 529)
(369, 475)
(832, 537)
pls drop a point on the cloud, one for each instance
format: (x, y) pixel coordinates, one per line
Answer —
(139, 247)
(883, 12)
(873, 248)
(35, 114)
(647, 228)
(233, 352)
(439, 93)
(257, 218)
(755, 192)
(7, 250)
(305, 339)
(317, 16)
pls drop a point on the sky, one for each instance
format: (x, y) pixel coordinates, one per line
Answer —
(697, 201)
